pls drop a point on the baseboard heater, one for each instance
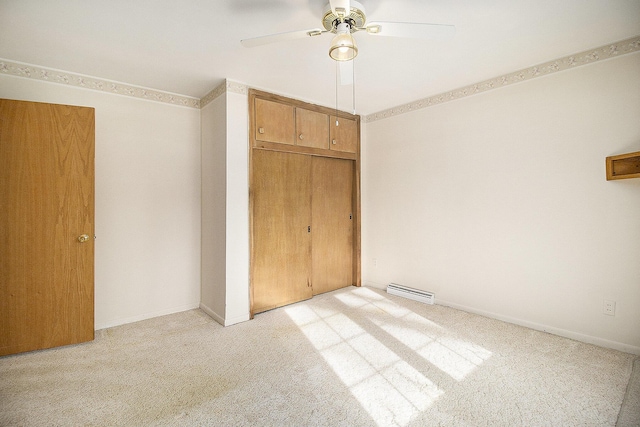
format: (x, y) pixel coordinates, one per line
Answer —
(414, 294)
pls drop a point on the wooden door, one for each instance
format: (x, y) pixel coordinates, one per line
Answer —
(274, 122)
(344, 137)
(312, 129)
(281, 217)
(46, 203)
(332, 224)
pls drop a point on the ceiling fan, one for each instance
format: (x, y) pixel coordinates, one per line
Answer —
(344, 17)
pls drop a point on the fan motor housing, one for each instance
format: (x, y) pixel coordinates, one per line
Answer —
(356, 18)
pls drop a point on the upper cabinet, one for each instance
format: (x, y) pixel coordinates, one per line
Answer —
(274, 122)
(312, 128)
(285, 124)
(344, 134)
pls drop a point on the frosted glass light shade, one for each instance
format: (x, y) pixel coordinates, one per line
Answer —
(343, 47)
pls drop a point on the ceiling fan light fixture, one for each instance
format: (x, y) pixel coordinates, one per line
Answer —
(343, 46)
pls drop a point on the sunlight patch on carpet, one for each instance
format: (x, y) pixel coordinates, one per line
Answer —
(387, 387)
(457, 358)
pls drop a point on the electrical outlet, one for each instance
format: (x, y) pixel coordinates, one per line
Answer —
(609, 308)
(375, 262)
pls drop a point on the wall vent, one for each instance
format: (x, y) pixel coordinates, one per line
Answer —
(414, 294)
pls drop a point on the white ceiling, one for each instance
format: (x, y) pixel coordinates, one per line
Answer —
(189, 46)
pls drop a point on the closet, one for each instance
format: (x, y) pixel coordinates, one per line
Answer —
(304, 200)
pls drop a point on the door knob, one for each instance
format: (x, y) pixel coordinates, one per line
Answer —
(83, 238)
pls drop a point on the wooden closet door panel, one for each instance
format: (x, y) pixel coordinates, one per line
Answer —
(281, 251)
(46, 202)
(312, 129)
(332, 224)
(344, 137)
(274, 122)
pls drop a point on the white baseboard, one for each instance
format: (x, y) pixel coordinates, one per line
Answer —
(533, 325)
(237, 319)
(224, 322)
(215, 316)
(145, 316)
(370, 284)
(626, 348)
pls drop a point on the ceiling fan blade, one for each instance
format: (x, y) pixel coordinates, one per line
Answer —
(412, 30)
(280, 37)
(340, 7)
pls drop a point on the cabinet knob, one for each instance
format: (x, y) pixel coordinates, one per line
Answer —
(261, 130)
(333, 142)
(301, 136)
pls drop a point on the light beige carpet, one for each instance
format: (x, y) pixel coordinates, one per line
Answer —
(629, 415)
(354, 357)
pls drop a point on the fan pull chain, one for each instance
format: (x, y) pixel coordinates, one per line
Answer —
(353, 82)
(337, 123)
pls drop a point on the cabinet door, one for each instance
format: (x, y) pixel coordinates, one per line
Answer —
(274, 122)
(312, 129)
(332, 224)
(344, 137)
(281, 251)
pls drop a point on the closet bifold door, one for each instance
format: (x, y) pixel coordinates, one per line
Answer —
(281, 246)
(332, 222)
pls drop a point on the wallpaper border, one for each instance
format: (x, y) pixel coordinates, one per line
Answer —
(226, 86)
(19, 69)
(568, 62)
(611, 50)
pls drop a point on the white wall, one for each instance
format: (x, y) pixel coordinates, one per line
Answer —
(225, 209)
(147, 253)
(214, 194)
(237, 265)
(498, 203)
